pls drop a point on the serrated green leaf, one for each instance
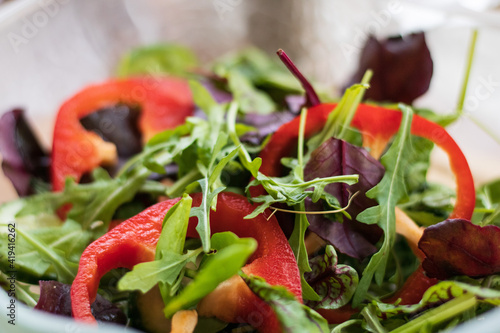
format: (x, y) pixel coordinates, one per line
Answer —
(66, 240)
(248, 96)
(146, 275)
(293, 316)
(388, 192)
(65, 270)
(222, 265)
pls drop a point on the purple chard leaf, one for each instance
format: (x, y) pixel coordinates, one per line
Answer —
(457, 247)
(402, 68)
(337, 157)
(24, 160)
(55, 298)
(334, 283)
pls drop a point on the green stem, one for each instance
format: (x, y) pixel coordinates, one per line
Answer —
(440, 314)
(353, 102)
(465, 83)
(190, 273)
(372, 320)
(179, 186)
(153, 187)
(485, 129)
(490, 218)
(349, 179)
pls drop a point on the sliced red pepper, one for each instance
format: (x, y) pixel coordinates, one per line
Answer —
(377, 125)
(164, 103)
(134, 241)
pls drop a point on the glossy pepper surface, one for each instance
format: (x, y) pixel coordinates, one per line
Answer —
(134, 241)
(164, 103)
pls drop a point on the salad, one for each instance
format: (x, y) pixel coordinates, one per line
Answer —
(237, 198)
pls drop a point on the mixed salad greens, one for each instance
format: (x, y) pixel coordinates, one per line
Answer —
(225, 199)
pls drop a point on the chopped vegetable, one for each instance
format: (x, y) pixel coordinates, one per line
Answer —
(164, 103)
(134, 241)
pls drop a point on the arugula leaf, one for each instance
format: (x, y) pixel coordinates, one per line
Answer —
(260, 69)
(291, 191)
(203, 212)
(489, 197)
(339, 119)
(170, 59)
(297, 237)
(46, 251)
(146, 275)
(372, 323)
(64, 269)
(169, 260)
(209, 193)
(252, 166)
(248, 97)
(438, 294)
(439, 315)
(293, 316)
(299, 249)
(99, 200)
(388, 192)
(231, 255)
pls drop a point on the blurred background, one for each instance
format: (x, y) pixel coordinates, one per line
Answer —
(49, 49)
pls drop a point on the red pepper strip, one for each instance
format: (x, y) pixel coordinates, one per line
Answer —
(377, 125)
(164, 102)
(338, 316)
(133, 241)
(413, 289)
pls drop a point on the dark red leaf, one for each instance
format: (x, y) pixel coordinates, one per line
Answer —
(337, 157)
(458, 247)
(23, 157)
(265, 124)
(402, 68)
(118, 124)
(55, 298)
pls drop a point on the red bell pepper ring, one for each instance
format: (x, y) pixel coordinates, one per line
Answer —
(134, 241)
(164, 102)
(377, 125)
